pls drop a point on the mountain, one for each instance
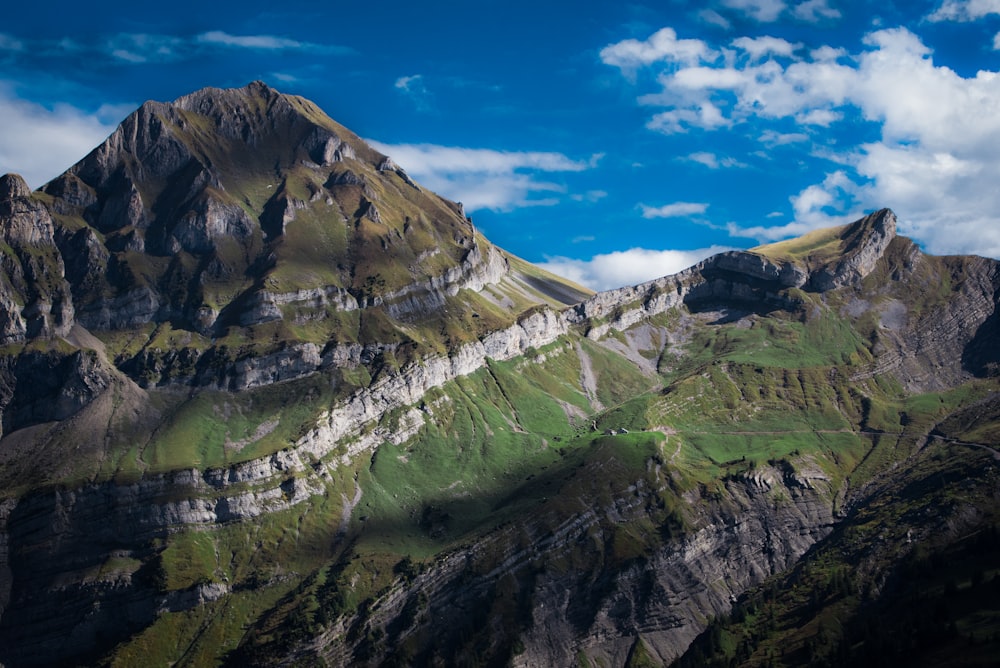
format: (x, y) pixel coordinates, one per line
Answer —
(266, 400)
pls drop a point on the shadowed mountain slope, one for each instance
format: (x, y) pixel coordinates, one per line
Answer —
(267, 401)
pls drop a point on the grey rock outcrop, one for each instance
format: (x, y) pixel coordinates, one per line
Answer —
(665, 598)
(741, 277)
(40, 387)
(864, 245)
(35, 298)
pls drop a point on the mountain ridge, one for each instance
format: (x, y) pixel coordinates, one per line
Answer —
(297, 400)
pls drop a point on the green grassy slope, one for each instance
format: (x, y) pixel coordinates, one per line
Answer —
(517, 440)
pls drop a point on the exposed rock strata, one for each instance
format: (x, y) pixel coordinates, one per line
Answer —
(665, 599)
(150, 190)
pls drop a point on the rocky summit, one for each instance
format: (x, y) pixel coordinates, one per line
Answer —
(266, 400)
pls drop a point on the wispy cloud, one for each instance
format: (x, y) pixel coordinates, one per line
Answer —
(8, 43)
(483, 178)
(771, 138)
(261, 42)
(763, 11)
(769, 11)
(590, 197)
(629, 267)
(675, 210)
(713, 161)
(40, 143)
(964, 10)
(415, 88)
(139, 48)
(712, 17)
(813, 11)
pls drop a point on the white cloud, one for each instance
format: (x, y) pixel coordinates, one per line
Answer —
(590, 196)
(410, 82)
(965, 10)
(822, 205)
(935, 162)
(675, 210)
(485, 178)
(772, 138)
(712, 161)
(138, 48)
(814, 11)
(758, 47)
(142, 48)
(712, 17)
(705, 115)
(630, 267)
(261, 42)
(821, 117)
(413, 86)
(996, 42)
(763, 11)
(662, 45)
(40, 143)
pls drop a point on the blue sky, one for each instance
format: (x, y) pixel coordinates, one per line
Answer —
(611, 142)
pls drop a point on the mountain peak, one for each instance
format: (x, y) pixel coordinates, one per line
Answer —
(832, 257)
(13, 186)
(246, 213)
(256, 96)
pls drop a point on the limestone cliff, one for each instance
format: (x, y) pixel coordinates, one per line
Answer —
(252, 368)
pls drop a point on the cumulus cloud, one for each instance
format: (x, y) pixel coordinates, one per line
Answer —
(934, 162)
(483, 178)
(675, 210)
(40, 143)
(662, 45)
(758, 47)
(964, 10)
(629, 267)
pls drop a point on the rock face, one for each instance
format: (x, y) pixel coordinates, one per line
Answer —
(865, 242)
(745, 277)
(740, 539)
(34, 295)
(224, 214)
(218, 252)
